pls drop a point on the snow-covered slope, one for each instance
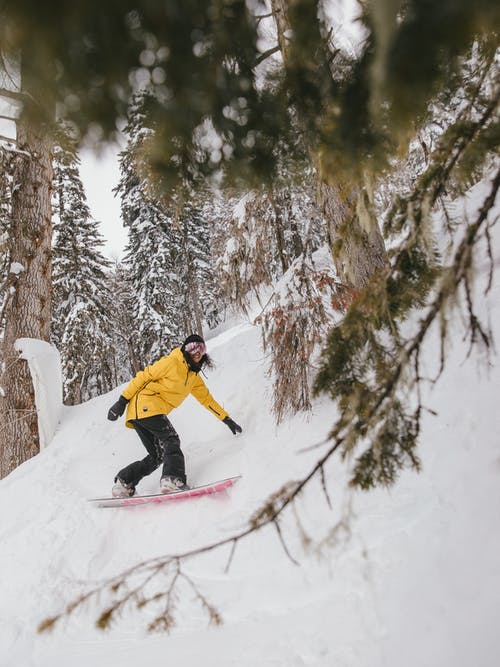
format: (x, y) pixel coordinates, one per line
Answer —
(414, 582)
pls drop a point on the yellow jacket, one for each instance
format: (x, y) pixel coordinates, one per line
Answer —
(161, 387)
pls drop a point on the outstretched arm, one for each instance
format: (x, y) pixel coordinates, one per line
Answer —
(201, 393)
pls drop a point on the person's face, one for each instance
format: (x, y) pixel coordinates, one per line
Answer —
(196, 350)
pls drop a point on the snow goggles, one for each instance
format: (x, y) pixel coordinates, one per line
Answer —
(196, 348)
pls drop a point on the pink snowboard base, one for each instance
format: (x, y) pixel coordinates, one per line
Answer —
(205, 489)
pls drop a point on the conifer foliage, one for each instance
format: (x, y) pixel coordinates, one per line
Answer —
(81, 324)
(268, 237)
(200, 297)
(125, 337)
(294, 323)
(168, 255)
(260, 235)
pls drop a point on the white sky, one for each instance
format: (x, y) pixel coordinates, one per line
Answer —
(100, 175)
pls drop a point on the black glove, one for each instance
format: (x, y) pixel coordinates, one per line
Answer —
(117, 409)
(232, 425)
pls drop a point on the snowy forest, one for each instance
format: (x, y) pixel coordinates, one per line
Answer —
(269, 157)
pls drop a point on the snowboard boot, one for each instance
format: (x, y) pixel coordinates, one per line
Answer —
(170, 484)
(122, 490)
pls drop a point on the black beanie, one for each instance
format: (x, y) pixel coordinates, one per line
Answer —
(193, 338)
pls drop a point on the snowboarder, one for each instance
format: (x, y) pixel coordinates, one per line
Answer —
(148, 398)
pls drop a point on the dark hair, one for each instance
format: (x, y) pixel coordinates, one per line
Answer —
(207, 362)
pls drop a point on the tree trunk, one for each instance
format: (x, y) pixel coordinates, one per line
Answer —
(27, 311)
(278, 229)
(135, 364)
(193, 291)
(280, 11)
(354, 236)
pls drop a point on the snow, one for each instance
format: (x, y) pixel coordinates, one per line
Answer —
(239, 208)
(16, 268)
(410, 577)
(44, 363)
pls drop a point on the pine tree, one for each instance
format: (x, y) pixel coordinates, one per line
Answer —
(259, 236)
(81, 324)
(125, 337)
(354, 235)
(167, 258)
(199, 290)
(149, 256)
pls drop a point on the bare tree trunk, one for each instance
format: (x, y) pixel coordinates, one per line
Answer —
(278, 229)
(280, 11)
(192, 284)
(134, 360)
(356, 243)
(298, 245)
(27, 311)
(355, 240)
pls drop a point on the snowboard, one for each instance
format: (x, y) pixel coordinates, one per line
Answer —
(195, 492)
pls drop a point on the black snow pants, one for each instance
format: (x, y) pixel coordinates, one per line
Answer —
(162, 443)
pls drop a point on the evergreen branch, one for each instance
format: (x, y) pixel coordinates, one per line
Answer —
(491, 259)
(486, 70)
(456, 152)
(379, 409)
(457, 272)
(213, 614)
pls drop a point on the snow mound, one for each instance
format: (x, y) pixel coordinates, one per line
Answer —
(44, 363)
